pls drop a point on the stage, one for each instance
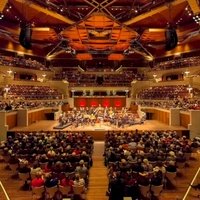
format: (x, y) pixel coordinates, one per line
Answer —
(98, 130)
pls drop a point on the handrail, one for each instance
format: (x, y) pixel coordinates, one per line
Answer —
(189, 188)
(4, 191)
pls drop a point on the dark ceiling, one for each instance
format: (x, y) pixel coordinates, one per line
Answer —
(112, 30)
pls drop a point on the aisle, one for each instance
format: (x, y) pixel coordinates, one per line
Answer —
(98, 181)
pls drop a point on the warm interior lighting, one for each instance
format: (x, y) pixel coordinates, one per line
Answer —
(187, 73)
(84, 56)
(152, 30)
(154, 75)
(41, 28)
(189, 88)
(9, 71)
(115, 56)
(149, 58)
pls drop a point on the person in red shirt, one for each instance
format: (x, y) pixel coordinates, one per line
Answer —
(38, 181)
(66, 181)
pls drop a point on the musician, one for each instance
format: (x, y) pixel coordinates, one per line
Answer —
(90, 115)
(92, 119)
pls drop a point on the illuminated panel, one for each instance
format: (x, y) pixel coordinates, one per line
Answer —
(84, 56)
(118, 103)
(115, 56)
(94, 102)
(82, 102)
(106, 103)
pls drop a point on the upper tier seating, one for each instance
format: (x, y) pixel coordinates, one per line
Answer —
(21, 62)
(183, 104)
(33, 92)
(21, 104)
(76, 78)
(177, 63)
(164, 92)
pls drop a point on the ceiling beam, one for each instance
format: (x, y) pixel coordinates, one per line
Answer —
(53, 50)
(38, 8)
(194, 6)
(104, 7)
(153, 12)
(95, 7)
(3, 4)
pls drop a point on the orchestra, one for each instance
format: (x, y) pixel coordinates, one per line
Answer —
(92, 115)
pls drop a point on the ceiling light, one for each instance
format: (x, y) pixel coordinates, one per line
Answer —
(187, 72)
(189, 88)
(41, 29)
(9, 71)
(156, 30)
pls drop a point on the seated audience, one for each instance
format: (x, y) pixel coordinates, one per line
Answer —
(38, 180)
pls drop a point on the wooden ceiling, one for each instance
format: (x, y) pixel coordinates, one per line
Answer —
(100, 27)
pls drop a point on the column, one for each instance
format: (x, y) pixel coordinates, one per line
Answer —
(3, 126)
(194, 125)
(174, 119)
(22, 117)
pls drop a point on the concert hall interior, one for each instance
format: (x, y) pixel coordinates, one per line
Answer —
(99, 100)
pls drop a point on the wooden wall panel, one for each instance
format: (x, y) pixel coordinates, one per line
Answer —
(184, 119)
(160, 115)
(134, 108)
(36, 116)
(11, 120)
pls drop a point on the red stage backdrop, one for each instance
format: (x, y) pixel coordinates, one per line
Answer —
(117, 102)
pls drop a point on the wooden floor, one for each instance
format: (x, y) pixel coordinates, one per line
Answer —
(48, 125)
(98, 182)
